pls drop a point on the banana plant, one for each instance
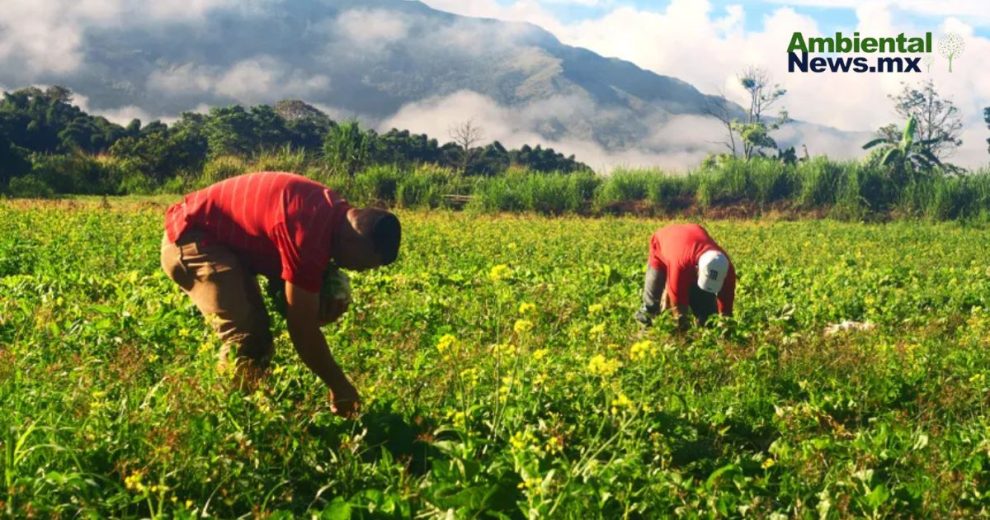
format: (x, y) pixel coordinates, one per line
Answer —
(907, 151)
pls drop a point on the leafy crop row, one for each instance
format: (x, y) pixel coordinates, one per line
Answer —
(503, 374)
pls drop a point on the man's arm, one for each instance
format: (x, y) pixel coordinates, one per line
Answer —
(727, 296)
(680, 312)
(679, 292)
(303, 315)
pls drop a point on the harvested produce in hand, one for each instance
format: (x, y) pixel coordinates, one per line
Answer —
(335, 294)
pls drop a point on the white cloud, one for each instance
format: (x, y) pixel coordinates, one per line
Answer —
(341, 114)
(518, 11)
(708, 47)
(45, 36)
(41, 35)
(121, 115)
(678, 143)
(264, 79)
(438, 115)
(371, 30)
(185, 9)
(183, 79)
(974, 10)
(125, 114)
(257, 80)
(584, 3)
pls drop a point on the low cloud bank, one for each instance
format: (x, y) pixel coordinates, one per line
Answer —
(676, 143)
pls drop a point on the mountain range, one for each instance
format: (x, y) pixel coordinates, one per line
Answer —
(389, 63)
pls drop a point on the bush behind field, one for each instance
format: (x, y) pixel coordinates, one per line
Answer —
(719, 187)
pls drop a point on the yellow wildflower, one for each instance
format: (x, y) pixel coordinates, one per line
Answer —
(522, 326)
(532, 484)
(641, 350)
(595, 308)
(599, 365)
(622, 402)
(522, 440)
(504, 349)
(499, 272)
(597, 330)
(539, 354)
(470, 376)
(458, 418)
(447, 342)
(769, 463)
(526, 308)
(133, 482)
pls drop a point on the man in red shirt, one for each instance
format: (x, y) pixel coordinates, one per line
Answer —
(284, 226)
(693, 272)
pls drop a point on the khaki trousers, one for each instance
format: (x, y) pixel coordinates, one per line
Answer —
(226, 292)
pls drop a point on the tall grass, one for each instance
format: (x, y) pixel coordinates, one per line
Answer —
(429, 186)
(819, 180)
(844, 190)
(759, 181)
(546, 193)
(285, 159)
(220, 168)
(960, 198)
(652, 190)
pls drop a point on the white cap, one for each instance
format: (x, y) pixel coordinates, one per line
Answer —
(713, 267)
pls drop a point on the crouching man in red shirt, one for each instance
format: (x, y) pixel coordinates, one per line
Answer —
(687, 270)
(284, 226)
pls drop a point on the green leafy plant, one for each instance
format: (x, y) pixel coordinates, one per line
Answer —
(904, 151)
(506, 378)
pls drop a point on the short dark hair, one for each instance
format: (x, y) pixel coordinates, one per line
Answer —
(386, 234)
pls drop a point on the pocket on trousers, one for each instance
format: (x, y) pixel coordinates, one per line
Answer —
(171, 262)
(204, 262)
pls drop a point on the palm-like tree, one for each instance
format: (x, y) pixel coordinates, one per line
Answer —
(906, 150)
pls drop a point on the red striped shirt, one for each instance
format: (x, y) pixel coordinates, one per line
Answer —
(281, 224)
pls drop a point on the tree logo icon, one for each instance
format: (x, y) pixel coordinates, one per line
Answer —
(950, 47)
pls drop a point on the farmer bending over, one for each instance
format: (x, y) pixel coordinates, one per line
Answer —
(286, 227)
(687, 270)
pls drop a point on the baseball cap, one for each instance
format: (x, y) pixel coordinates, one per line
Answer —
(713, 267)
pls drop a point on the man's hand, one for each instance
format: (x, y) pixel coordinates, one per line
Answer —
(344, 401)
(681, 313)
(303, 318)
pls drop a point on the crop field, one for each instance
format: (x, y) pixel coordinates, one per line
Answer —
(504, 377)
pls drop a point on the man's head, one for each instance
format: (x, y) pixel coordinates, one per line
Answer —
(713, 267)
(368, 238)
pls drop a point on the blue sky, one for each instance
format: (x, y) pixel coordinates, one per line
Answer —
(755, 10)
(830, 19)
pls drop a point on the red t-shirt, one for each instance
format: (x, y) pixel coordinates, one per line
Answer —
(675, 250)
(280, 223)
